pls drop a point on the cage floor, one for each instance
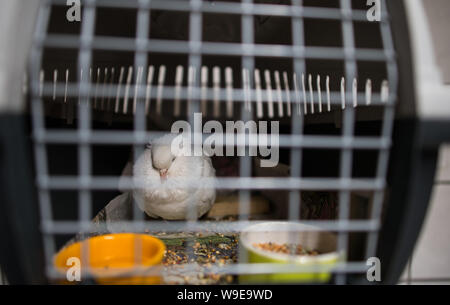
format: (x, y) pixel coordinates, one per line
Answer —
(206, 250)
(201, 250)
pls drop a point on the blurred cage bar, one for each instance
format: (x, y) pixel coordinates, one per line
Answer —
(79, 90)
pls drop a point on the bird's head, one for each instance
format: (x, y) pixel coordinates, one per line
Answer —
(162, 157)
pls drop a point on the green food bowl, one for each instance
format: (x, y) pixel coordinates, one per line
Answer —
(318, 267)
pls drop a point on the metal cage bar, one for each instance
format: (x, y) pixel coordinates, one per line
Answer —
(387, 129)
(348, 125)
(245, 164)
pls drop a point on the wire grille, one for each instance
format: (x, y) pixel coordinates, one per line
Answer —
(85, 136)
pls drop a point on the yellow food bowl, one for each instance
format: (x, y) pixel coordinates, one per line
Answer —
(122, 258)
(318, 267)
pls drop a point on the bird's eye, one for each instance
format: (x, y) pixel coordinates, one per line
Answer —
(173, 159)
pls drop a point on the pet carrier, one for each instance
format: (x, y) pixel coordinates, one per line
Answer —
(353, 87)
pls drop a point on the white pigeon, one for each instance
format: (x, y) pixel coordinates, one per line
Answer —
(167, 198)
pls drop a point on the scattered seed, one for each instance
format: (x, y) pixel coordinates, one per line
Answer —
(285, 248)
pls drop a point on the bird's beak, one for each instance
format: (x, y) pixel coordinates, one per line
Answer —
(163, 174)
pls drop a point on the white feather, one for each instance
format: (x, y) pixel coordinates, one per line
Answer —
(167, 198)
